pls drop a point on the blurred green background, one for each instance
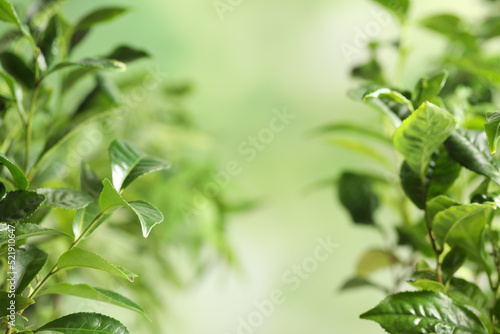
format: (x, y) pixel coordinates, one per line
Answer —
(268, 55)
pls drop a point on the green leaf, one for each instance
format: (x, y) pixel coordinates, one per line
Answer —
(470, 150)
(439, 204)
(416, 237)
(453, 28)
(397, 7)
(427, 285)
(15, 91)
(49, 41)
(442, 173)
(24, 231)
(356, 195)
(98, 16)
(15, 66)
(145, 166)
(427, 89)
(490, 27)
(19, 205)
(452, 262)
(359, 282)
(78, 257)
(85, 323)
(3, 191)
(127, 54)
(89, 292)
(65, 198)
(371, 71)
(462, 226)
(5, 301)
(9, 14)
(90, 63)
(492, 130)
(18, 176)
(148, 215)
(424, 312)
(421, 134)
(124, 157)
(468, 293)
(361, 148)
(29, 261)
(354, 128)
(374, 260)
(390, 95)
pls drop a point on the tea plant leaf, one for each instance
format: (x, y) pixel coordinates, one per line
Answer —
(490, 27)
(427, 285)
(16, 172)
(15, 91)
(462, 226)
(78, 257)
(374, 260)
(353, 128)
(89, 292)
(85, 323)
(421, 134)
(418, 312)
(20, 302)
(98, 16)
(29, 261)
(492, 130)
(359, 282)
(452, 27)
(124, 157)
(452, 262)
(19, 205)
(397, 7)
(9, 14)
(15, 66)
(439, 204)
(428, 88)
(467, 149)
(357, 196)
(371, 71)
(90, 63)
(468, 293)
(442, 173)
(24, 231)
(127, 54)
(3, 191)
(145, 166)
(390, 95)
(65, 198)
(415, 236)
(148, 215)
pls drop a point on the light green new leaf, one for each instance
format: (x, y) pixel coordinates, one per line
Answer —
(148, 215)
(16, 172)
(398, 7)
(65, 198)
(19, 205)
(85, 323)
(359, 282)
(20, 303)
(427, 285)
(29, 261)
(24, 231)
(424, 312)
(462, 226)
(470, 150)
(428, 88)
(388, 94)
(421, 134)
(16, 92)
(78, 257)
(89, 292)
(492, 128)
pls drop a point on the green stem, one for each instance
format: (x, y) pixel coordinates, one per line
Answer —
(75, 243)
(437, 251)
(29, 126)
